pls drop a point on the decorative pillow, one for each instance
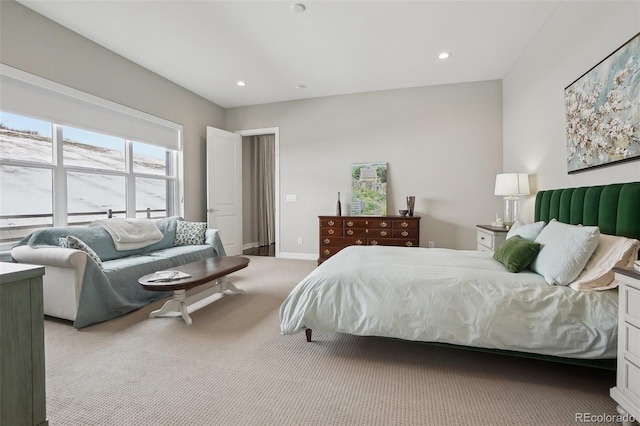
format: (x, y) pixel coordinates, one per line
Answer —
(611, 251)
(78, 244)
(565, 251)
(62, 242)
(529, 232)
(189, 233)
(517, 253)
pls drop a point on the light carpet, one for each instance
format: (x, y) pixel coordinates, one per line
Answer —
(232, 367)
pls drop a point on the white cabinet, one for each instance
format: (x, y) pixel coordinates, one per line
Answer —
(489, 238)
(627, 390)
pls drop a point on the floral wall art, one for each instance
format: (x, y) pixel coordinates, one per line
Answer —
(603, 111)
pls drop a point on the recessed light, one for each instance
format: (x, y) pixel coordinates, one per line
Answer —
(298, 7)
(444, 55)
(241, 83)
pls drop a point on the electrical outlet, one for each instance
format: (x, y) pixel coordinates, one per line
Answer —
(432, 244)
(299, 240)
(292, 198)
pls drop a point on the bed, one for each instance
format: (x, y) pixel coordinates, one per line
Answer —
(469, 299)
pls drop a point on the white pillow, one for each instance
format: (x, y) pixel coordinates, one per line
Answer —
(565, 251)
(611, 251)
(530, 232)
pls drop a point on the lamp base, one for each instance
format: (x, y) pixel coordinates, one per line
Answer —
(510, 211)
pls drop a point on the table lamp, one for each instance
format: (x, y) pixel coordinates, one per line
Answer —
(511, 186)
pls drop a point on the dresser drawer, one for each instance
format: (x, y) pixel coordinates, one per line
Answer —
(632, 305)
(405, 233)
(486, 239)
(331, 232)
(486, 249)
(392, 242)
(631, 378)
(356, 223)
(632, 342)
(356, 232)
(404, 224)
(331, 223)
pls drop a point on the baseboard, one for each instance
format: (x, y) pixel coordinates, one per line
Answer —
(250, 245)
(298, 256)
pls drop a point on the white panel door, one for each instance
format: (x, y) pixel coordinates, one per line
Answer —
(224, 187)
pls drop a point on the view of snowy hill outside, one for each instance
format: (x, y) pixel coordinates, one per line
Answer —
(28, 191)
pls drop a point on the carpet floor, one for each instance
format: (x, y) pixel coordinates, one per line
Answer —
(232, 367)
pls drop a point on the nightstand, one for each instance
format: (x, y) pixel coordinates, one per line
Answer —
(627, 390)
(490, 237)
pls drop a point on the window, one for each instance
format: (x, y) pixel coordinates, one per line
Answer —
(90, 178)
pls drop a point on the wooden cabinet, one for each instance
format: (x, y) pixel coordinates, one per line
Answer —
(338, 232)
(627, 390)
(489, 238)
(22, 385)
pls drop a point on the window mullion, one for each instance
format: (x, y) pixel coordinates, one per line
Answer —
(59, 179)
(130, 179)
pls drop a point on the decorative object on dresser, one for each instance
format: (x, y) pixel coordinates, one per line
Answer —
(511, 186)
(602, 110)
(627, 390)
(338, 232)
(411, 203)
(489, 237)
(338, 206)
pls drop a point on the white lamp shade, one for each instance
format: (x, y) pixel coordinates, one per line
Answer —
(512, 184)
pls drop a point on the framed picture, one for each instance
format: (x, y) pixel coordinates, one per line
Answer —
(603, 111)
(369, 189)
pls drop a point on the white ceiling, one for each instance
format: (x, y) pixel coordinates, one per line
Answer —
(333, 48)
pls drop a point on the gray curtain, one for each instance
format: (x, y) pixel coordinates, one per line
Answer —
(264, 147)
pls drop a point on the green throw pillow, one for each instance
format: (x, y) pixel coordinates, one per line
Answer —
(517, 253)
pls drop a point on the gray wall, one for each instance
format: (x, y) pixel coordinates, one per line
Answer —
(442, 144)
(575, 38)
(35, 44)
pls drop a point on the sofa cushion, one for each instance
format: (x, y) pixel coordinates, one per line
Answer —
(182, 255)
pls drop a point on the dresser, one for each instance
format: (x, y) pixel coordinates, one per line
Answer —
(22, 383)
(489, 238)
(627, 390)
(338, 232)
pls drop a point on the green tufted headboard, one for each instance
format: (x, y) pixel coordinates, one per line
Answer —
(614, 208)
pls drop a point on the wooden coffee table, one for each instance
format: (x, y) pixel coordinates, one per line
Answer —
(202, 271)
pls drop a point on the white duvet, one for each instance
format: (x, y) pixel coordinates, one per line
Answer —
(450, 296)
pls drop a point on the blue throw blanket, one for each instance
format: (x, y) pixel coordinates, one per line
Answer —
(113, 290)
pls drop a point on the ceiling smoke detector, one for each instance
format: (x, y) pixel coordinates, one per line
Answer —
(298, 7)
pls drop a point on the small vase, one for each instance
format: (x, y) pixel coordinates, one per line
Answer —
(338, 206)
(411, 201)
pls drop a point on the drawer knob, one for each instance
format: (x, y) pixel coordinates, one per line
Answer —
(404, 233)
(331, 223)
(409, 244)
(374, 243)
(383, 224)
(349, 223)
(482, 238)
(383, 233)
(327, 240)
(331, 231)
(404, 224)
(350, 232)
(327, 251)
(359, 242)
